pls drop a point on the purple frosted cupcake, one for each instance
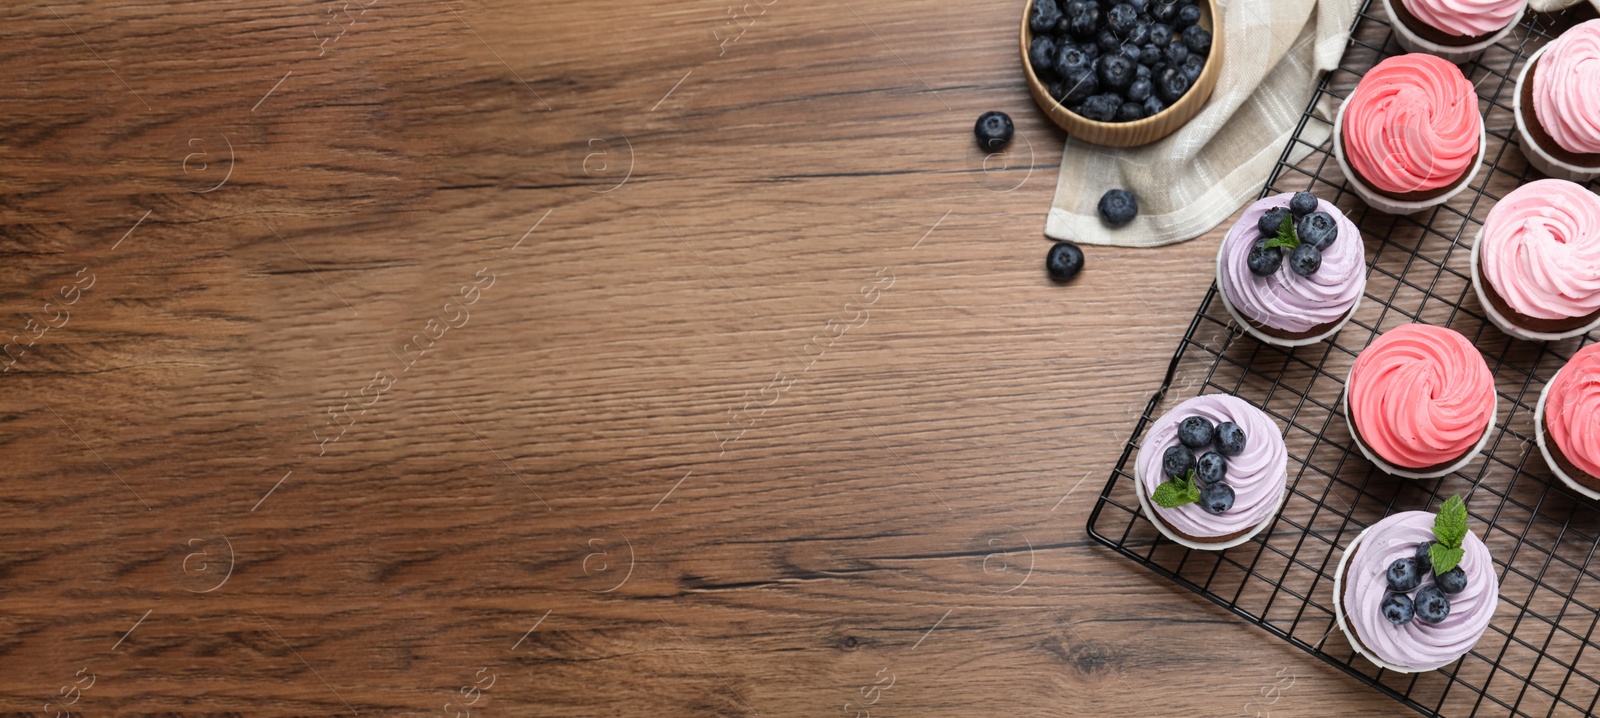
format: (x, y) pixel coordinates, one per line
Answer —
(1304, 286)
(1211, 472)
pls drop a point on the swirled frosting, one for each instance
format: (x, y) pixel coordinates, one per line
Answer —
(1420, 395)
(1257, 476)
(1465, 18)
(1541, 249)
(1566, 89)
(1572, 410)
(1416, 644)
(1286, 300)
(1412, 125)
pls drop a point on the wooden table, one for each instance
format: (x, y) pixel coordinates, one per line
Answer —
(577, 359)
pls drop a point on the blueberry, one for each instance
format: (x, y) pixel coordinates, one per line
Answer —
(1192, 67)
(1302, 204)
(1397, 608)
(1171, 84)
(1139, 5)
(1216, 498)
(1130, 111)
(1210, 468)
(1078, 7)
(1432, 606)
(993, 130)
(1164, 10)
(1139, 34)
(1130, 51)
(1452, 582)
(1102, 107)
(1317, 229)
(1108, 41)
(1188, 15)
(1176, 53)
(1149, 55)
(1196, 432)
(1046, 16)
(1424, 560)
(1177, 461)
(1042, 56)
(1121, 18)
(1118, 207)
(1197, 39)
(1071, 57)
(1268, 224)
(1153, 106)
(1141, 72)
(1403, 574)
(1262, 260)
(1085, 26)
(1161, 34)
(1064, 261)
(1230, 439)
(1091, 49)
(1116, 73)
(1305, 260)
(1077, 86)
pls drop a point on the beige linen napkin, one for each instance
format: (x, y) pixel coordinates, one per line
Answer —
(1187, 183)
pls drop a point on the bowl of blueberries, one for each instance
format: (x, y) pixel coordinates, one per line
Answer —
(1121, 73)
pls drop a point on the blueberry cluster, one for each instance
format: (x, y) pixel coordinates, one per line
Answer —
(1308, 233)
(1431, 603)
(1196, 433)
(1117, 60)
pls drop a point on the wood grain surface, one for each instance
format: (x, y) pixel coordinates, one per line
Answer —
(401, 357)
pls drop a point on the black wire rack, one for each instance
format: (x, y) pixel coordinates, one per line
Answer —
(1540, 655)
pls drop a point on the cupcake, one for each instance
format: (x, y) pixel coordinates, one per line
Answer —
(1212, 472)
(1456, 30)
(1415, 591)
(1420, 401)
(1410, 137)
(1568, 417)
(1558, 112)
(1536, 261)
(1295, 295)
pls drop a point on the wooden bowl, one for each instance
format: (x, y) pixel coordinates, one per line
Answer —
(1138, 132)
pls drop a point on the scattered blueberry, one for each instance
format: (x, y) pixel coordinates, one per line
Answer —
(1397, 607)
(1302, 204)
(1452, 582)
(1188, 15)
(1424, 560)
(1130, 111)
(1192, 67)
(993, 130)
(1102, 107)
(1042, 56)
(1139, 90)
(1153, 106)
(1197, 39)
(1046, 16)
(1263, 260)
(1064, 261)
(1317, 229)
(1216, 498)
(1171, 84)
(1196, 432)
(1121, 19)
(1210, 468)
(1118, 207)
(1230, 439)
(1403, 575)
(1176, 53)
(1432, 606)
(1305, 260)
(1116, 73)
(1268, 224)
(1177, 461)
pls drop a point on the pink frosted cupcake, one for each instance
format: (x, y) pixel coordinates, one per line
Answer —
(1568, 419)
(1557, 105)
(1536, 261)
(1456, 30)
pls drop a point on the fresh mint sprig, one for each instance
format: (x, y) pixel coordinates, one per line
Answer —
(1177, 492)
(1286, 236)
(1450, 528)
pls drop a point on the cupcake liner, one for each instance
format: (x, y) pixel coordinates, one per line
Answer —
(1537, 156)
(1338, 614)
(1268, 338)
(1149, 510)
(1394, 206)
(1544, 447)
(1378, 461)
(1458, 54)
(1505, 325)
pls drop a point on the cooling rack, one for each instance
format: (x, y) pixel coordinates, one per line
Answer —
(1540, 655)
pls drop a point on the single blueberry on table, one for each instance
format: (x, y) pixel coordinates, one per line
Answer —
(1262, 260)
(1432, 605)
(1130, 111)
(1403, 574)
(1064, 261)
(1042, 56)
(1192, 67)
(1268, 224)
(1046, 16)
(1452, 582)
(1102, 107)
(1197, 39)
(1177, 461)
(1116, 73)
(1305, 260)
(1118, 207)
(1210, 468)
(1171, 84)
(1176, 53)
(993, 130)
(1139, 90)
(1121, 18)
(1317, 229)
(1424, 560)
(1216, 498)
(1196, 432)
(1397, 607)
(1230, 439)
(1302, 204)
(1188, 15)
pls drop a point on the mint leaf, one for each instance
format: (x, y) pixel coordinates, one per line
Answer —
(1176, 492)
(1286, 235)
(1444, 558)
(1450, 525)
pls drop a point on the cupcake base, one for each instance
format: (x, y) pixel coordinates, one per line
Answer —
(1510, 322)
(1417, 36)
(1537, 144)
(1339, 611)
(1203, 543)
(1274, 335)
(1575, 478)
(1426, 472)
(1408, 204)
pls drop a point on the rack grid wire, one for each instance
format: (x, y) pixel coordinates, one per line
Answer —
(1540, 655)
